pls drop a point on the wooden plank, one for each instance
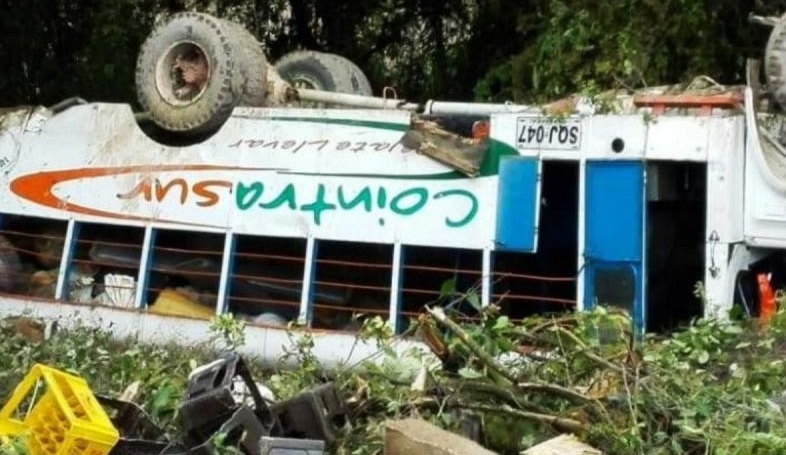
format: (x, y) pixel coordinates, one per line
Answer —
(462, 154)
(566, 444)
(415, 436)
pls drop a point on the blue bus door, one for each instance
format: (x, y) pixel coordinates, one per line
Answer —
(614, 237)
(518, 201)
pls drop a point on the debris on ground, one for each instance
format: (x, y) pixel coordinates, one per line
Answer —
(513, 387)
(289, 446)
(411, 436)
(212, 413)
(32, 330)
(465, 155)
(63, 418)
(566, 444)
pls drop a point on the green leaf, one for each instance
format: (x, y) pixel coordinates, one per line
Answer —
(448, 288)
(739, 373)
(474, 300)
(502, 322)
(733, 329)
(703, 357)
(469, 373)
(163, 398)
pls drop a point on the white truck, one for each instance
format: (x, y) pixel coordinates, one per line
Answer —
(230, 194)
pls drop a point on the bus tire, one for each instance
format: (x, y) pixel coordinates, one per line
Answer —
(323, 71)
(194, 69)
(775, 62)
(357, 79)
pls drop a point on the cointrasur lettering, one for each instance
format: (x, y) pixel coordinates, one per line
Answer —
(459, 205)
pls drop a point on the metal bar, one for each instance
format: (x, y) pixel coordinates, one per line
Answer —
(225, 280)
(538, 205)
(486, 284)
(395, 287)
(72, 230)
(642, 280)
(67, 103)
(460, 108)
(769, 21)
(430, 107)
(309, 271)
(581, 275)
(145, 261)
(360, 101)
(639, 316)
(725, 100)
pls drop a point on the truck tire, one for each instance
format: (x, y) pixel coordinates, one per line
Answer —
(254, 64)
(195, 68)
(323, 71)
(358, 79)
(775, 62)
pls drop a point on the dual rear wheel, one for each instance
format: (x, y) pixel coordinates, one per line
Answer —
(194, 69)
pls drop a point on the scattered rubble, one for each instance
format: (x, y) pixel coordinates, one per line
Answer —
(30, 329)
(215, 412)
(416, 436)
(574, 383)
(562, 445)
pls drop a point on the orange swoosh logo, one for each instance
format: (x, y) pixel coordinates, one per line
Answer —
(38, 187)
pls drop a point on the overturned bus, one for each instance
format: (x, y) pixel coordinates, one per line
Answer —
(671, 205)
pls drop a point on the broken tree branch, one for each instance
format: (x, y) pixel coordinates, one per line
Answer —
(440, 316)
(552, 389)
(586, 352)
(561, 423)
(507, 395)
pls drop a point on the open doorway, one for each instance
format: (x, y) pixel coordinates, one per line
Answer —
(676, 207)
(545, 282)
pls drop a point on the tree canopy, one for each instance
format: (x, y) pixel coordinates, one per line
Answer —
(484, 50)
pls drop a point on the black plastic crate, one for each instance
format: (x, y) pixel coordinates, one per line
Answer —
(243, 429)
(208, 402)
(288, 446)
(315, 414)
(138, 434)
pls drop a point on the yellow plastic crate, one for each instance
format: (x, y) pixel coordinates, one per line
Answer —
(67, 419)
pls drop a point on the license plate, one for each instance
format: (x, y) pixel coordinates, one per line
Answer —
(548, 134)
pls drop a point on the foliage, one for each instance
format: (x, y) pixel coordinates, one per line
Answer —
(108, 365)
(586, 45)
(489, 50)
(228, 332)
(222, 447)
(715, 387)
